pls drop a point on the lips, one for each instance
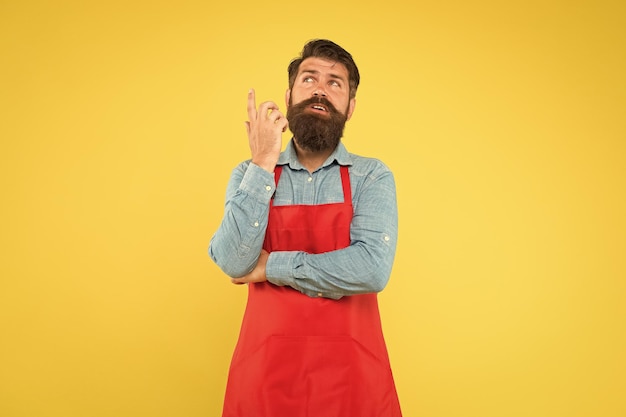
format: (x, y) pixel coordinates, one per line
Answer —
(319, 107)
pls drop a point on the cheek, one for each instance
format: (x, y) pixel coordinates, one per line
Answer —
(342, 105)
(298, 96)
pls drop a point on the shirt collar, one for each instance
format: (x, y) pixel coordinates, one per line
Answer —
(289, 157)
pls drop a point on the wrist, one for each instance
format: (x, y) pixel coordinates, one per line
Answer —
(265, 164)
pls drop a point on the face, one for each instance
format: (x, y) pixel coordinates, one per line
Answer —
(319, 104)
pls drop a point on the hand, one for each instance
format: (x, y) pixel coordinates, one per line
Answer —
(265, 129)
(257, 274)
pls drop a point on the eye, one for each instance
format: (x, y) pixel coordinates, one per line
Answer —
(307, 79)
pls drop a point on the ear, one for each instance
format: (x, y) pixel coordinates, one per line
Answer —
(287, 97)
(351, 107)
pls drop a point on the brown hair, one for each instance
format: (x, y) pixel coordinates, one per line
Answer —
(323, 48)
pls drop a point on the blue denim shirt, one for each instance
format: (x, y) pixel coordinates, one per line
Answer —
(362, 267)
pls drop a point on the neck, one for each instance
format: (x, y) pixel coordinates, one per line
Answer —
(311, 160)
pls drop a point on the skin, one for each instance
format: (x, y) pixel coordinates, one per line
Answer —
(266, 124)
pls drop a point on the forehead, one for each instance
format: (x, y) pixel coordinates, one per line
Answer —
(323, 66)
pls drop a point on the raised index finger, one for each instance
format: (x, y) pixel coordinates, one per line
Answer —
(252, 113)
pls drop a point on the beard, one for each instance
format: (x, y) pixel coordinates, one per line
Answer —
(312, 131)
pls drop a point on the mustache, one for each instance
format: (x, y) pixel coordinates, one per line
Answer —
(316, 100)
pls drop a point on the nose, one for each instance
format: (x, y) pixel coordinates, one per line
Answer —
(319, 92)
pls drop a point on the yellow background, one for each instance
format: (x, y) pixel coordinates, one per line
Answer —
(503, 123)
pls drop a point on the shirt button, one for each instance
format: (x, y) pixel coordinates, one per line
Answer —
(386, 238)
(310, 179)
(256, 224)
(268, 188)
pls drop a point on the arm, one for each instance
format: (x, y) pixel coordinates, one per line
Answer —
(236, 245)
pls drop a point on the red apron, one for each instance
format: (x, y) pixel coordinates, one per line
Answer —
(299, 356)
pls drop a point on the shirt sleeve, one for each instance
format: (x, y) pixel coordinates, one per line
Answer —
(237, 243)
(364, 266)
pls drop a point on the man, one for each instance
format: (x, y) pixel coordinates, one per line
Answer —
(313, 232)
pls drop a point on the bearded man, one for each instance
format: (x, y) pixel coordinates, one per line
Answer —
(312, 231)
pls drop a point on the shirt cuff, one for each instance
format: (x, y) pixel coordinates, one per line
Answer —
(258, 183)
(280, 268)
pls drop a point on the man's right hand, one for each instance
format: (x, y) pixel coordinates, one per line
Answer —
(265, 128)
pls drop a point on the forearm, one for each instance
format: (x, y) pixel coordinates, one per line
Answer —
(349, 271)
(236, 245)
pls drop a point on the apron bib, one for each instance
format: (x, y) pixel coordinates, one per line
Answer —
(299, 356)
